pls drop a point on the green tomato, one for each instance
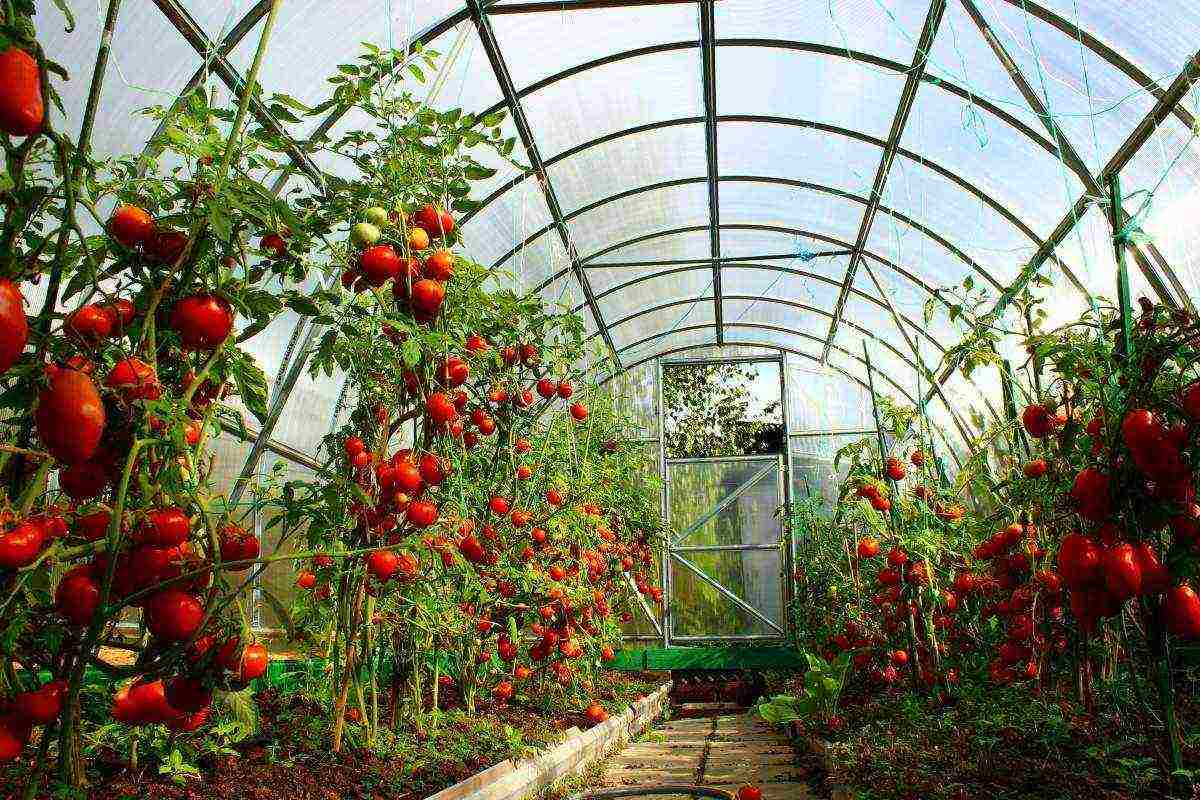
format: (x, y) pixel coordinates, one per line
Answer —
(377, 216)
(364, 234)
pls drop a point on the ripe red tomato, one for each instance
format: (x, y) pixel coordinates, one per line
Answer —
(22, 107)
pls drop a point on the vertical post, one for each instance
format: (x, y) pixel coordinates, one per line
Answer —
(789, 555)
(1156, 635)
(668, 601)
(1007, 379)
(1123, 299)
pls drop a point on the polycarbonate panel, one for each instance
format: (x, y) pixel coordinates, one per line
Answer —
(604, 100)
(820, 399)
(965, 220)
(791, 151)
(836, 90)
(279, 577)
(1160, 187)
(653, 156)
(506, 222)
(995, 157)
(758, 203)
(309, 410)
(813, 473)
(636, 392)
(639, 214)
(674, 340)
(683, 245)
(563, 295)
(889, 28)
(931, 261)
(763, 312)
(1160, 35)
(909, 301)
(138, 76)
(580, 36)
(537, 261)
(696, 487)
(751, 333)
(649, 292)
(1092, 102)
(756, 244)
(306, 49)
(762, 281)
(726, 351)
(664, 323)
(700, 610)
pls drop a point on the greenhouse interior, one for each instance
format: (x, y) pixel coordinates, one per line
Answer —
(595, 399)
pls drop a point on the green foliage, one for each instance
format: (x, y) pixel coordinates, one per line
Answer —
(706, 410)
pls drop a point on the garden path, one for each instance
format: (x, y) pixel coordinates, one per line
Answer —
(725, 752)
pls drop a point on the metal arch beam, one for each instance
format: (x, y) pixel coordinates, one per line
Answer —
(484, 26)
(423, 37)
(1104, 50)
(801, 307)
(899, 270)
(774, 328)
(789, 270)
(191, 31)
(708, 74)
(824, 127)
(802, 47)
(908, 96)
(228, 44)
(798, 184)
(1067, 152)
(1133, 143)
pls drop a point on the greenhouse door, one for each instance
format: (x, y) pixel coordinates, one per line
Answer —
(724, 579)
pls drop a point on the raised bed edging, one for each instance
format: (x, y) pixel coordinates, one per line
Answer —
(509, 781)
(820, 748)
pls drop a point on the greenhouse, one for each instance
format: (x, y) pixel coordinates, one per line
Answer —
(590, 399)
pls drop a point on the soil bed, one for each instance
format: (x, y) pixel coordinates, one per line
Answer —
(290, 756)
(1000, 744)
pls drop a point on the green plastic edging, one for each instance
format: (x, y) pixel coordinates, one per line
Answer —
(708, 658)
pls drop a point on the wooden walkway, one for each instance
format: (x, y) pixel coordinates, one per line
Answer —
(724, 752)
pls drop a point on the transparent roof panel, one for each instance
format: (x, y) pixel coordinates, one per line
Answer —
(800, 153)
(889, 28)
(511, 218)
(759, 243)
(664, 322)
(679, 340)
(770, 281)
(761, 311)
(599, 101)
(651, 292)
(757, 203)
(306, 49)
(541, 259)
(836, 90)
(639, 214)
(583, 35)
(138, 76)
(1094, 104)
(691, 244)
(1160, 187)
(749, 332)
(1160, 37)
(641, 159)
(997, 158)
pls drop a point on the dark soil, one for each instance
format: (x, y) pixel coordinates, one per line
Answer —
(999, 744)
(290, 756)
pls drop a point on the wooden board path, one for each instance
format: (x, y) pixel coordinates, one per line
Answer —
(724, 752)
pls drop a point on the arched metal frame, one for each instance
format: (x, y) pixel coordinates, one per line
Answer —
(801, 307)
(1168, 105)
